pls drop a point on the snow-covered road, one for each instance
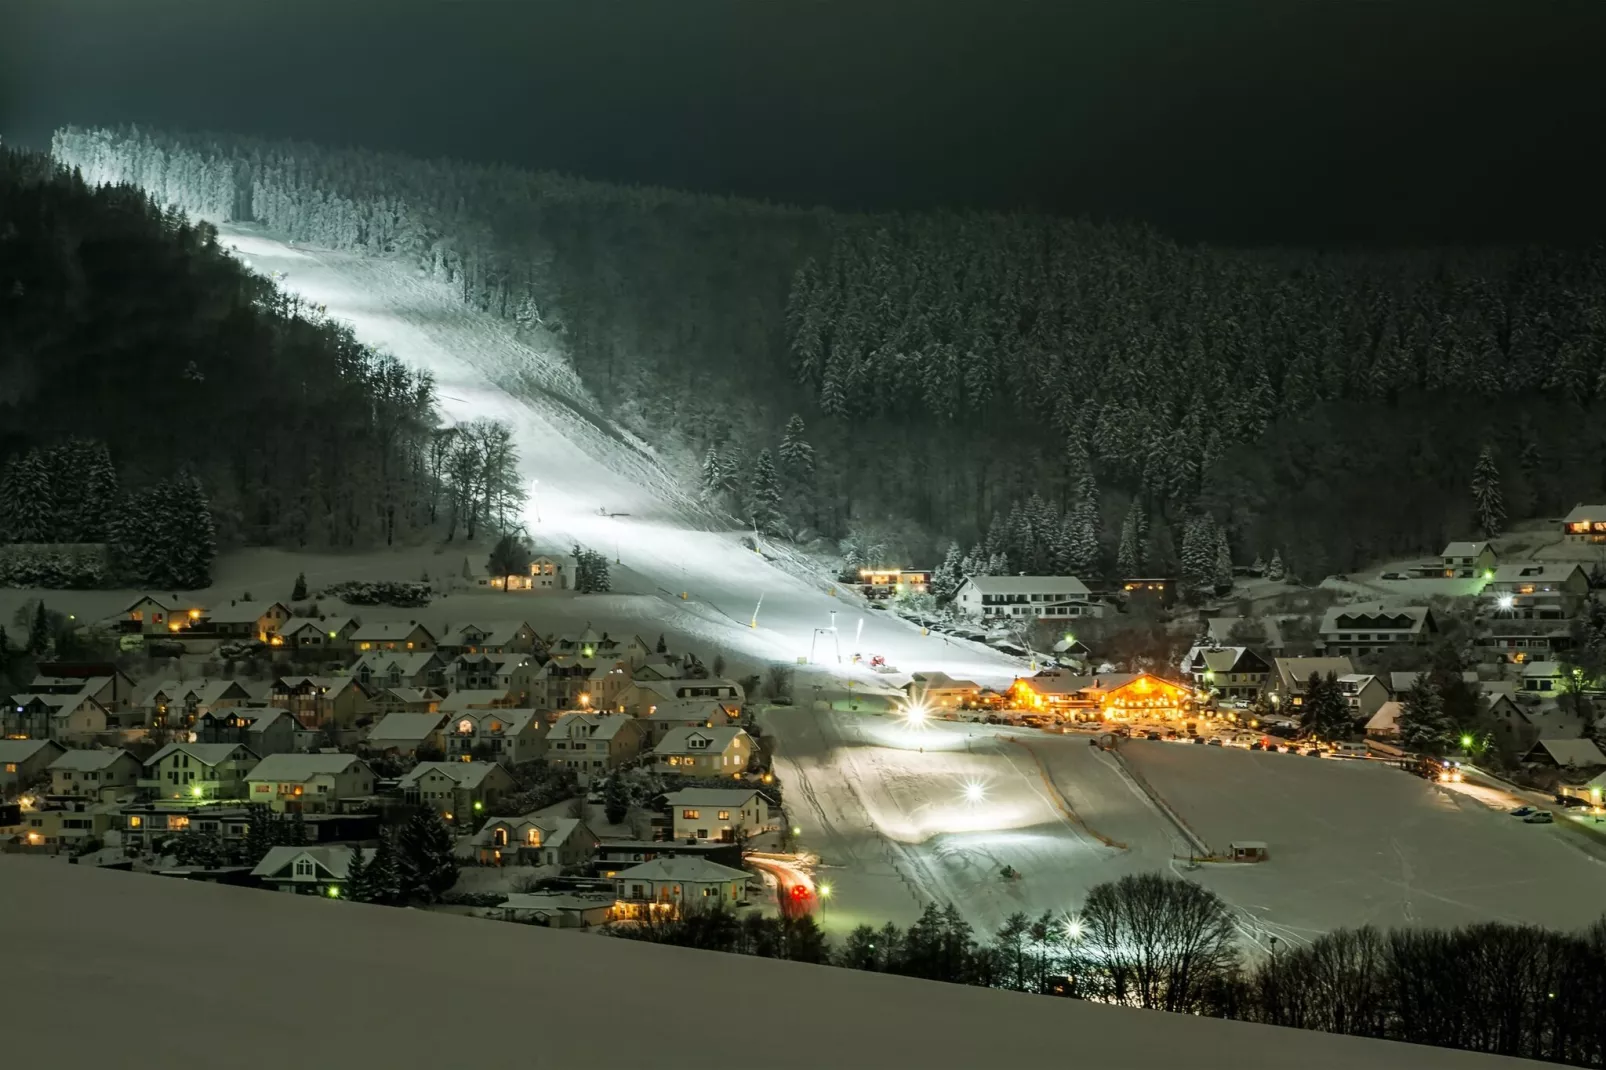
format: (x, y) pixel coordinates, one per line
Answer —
(577, 463)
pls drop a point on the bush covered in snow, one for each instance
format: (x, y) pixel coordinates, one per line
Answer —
(404, 594)
(57, 566)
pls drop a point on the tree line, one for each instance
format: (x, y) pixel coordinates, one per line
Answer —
(1164, 943)
(1321, 407)
(145, 370)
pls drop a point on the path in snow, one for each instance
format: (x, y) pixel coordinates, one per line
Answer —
(583, 464)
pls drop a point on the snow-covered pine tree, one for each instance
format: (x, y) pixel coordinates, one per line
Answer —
(713, 474)
(1424, 726)
(797, 456)
(973, 563)
(1275, 570)
(615, 801)
(98, 496)
(25, 496)
(997, 565)
(359, 888)
(1324, 715)
(195, 538)
(1222, 573)
(298, 593)
(1488, 505)
(425, 865)
(946, 577)
(997, 540)
(1129, 556)
(384, 875)
(764, 496)
(39, 630)
(1199, 552)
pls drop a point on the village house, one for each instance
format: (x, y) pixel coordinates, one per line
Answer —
(1372, 627)
(309, 783)
(94, 774)
(316, 701)
(1464, 560)
(639, 697)
(306, 870)
(704, 752)
(675, 886)
(265, 729)
(388, 669)
(1154, 592)
(1585, 524)
(1517, 641)
(245, 620)
(66, 824)
(547, 573)
(310, 636)
(1543, 678)
(1384, 724)
(177, 703)
(563, 683)
(593, 743)
(557, 910)
(159, 615)
(74, 719)
(23, 761)
(884, 583)
(1292, 677)
(728, 815)
(508, 736)
(1565, 754)
(392, 637)
(108, 686)
(1052, 597)
(938, 690)
(534, 840)
(614, 856)
(1263, 633)
(479, 672)
(687, 713)
(1233, 673)
(588, 644)
(495, 637)
(1536, 591)
(1363, 694)
(458, 790)
(201, 771)
(408, 733)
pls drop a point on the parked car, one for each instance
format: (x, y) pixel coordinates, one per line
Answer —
(1539, 817)
(1199, 740)
(1312, 752)
(1572, 802)
(1213, 741)
(1153, 735)
(1522, 811)
(1257, 745)
(1393, 576)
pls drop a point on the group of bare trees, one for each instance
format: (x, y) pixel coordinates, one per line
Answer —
(475, 470)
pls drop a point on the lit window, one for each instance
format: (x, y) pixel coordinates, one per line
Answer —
(690, 815)
(724, 815)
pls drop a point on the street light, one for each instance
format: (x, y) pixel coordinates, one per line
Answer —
(825, 891)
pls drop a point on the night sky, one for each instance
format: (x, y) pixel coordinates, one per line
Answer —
(1284, 121)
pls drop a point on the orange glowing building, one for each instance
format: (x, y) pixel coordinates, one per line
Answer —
(1107, 696)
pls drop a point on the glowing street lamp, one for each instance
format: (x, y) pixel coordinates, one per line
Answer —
(825, 891)
(916, 714)
(975, 792)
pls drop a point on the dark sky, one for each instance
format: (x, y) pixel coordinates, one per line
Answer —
(1284, 121)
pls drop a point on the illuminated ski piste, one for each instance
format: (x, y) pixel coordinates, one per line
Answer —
(577, 464)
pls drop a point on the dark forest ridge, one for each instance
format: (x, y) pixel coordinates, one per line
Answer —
(1055, 388)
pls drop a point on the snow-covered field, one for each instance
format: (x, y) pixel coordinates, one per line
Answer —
(577, 464)
(1351, 843)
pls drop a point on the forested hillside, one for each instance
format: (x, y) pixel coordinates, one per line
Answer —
(136, 354)
(947, 368)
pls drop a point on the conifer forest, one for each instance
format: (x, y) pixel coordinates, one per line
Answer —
(1019, 392)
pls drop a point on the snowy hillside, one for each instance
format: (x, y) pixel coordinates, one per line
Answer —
(580, 467)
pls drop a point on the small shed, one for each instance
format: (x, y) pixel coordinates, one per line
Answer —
(1249, 851)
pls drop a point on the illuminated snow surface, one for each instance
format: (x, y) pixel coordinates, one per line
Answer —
(584, 464)
(1351, 842)
(894, 814)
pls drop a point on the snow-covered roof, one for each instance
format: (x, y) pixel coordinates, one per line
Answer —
(730, 798)
(331, 625)
(1375, 616)
(1541, 670)
(513, 721)
(334, 859)
(260, 717)
(1297, 671)
(170, 603)
(406, 727)
(1572, 752)
(1464, 549)
(1061, 586)
(20, 750)
(1386, 718)
(491, 633)
(690, 709)
(589, 726)
(555, 901)
(205, 753)
(555, 831)
(84, 761)
(1523, 572)
(295, 768)
(389, 632)
(468, 775)
(688, 869)
(713, 740)
(206, 690)
(244, 612)
(459, 701)
(1581, 513)
(939, 681)
(1220, 629)
(329, 686)
(386, 662)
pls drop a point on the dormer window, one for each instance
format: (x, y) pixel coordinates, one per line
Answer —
(465, 727)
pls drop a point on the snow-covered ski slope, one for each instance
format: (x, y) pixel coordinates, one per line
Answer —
(578, 464)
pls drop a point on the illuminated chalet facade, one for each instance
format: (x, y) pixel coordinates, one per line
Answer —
(1106, 696)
